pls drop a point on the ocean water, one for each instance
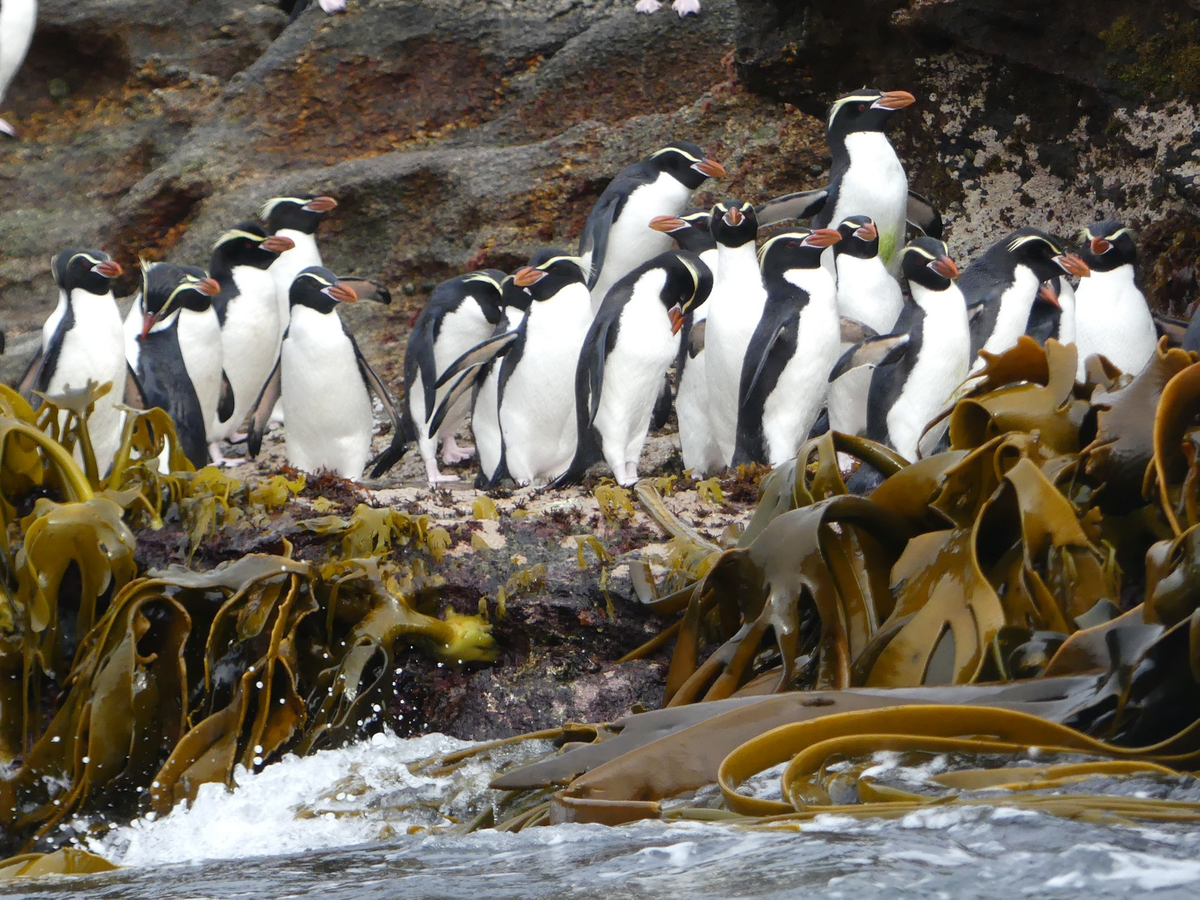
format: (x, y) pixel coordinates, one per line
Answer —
(354, 823)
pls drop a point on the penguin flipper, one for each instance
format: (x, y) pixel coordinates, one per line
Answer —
(225, 400)
(133, 395)
(856, 332)
(1171, 328)
(261, 413)
(399, 445)
(877, 351)
(33, 372)
(800, 205)
(481, 353)
(466, 381)
(924, 216)
(696, 339)
(769, 333)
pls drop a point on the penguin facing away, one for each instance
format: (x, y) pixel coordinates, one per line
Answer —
(83, 340)
(629, 347)
(460, 313)
(1112, 316)
(17, 21)
(614, 239)
(173, 345)
(329, 416)
(794, 347)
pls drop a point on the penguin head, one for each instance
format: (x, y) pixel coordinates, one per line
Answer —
(686, 163)
(865, 110)
(1108, 246)
(514, 295)
(860, 238)
(484, 287)
(688, 284)
(87, 270)
(689, 229)
(1044, 255)
(548, 272)
(166, 289)
(797, 248)
(246, 245)
(318, 288)
(733, 223)
(926, 262)
(303, 212)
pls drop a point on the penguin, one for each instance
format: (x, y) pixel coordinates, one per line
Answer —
(697, 442)
(866, 176)
(83, 340)
(173, 346)
(682, 7)
(614, 239)
(735, 306)
(536, 391)
(867, 294)
(249, 315)
(297, 219)
(294, 7)
(627, 351)
(1001, 285)
(17, 21)
(1053, 313)
(794, 347)
(1111, 314)
(460, 313)
(329, 416)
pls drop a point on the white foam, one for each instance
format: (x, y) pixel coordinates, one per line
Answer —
(1150, 872)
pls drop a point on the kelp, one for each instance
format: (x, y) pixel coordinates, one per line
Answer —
(127, 690)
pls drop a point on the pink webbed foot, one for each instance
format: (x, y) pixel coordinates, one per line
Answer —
(453, 452)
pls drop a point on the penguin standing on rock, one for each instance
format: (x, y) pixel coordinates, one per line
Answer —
(83, 340)
(173, 346)
(628, 349)
(328, 409)
(683, 7)
(460, 314)
(794, 347)
(17, 21)
(614, 240)
(1112, 317)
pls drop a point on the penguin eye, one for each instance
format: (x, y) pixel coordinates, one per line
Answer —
(862, 107)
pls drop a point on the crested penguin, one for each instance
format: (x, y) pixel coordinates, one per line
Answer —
(329, 416)
(867, 294)
(795, 345)
(536, 391)
(83, 340)
(173, 346)
(17, 21)
(696, 440)
(297, 219)
(627, 351)
(1111, 314)
(866, 176)
(1053, 313)
(735, 307)
(249, 315)
(1002, 284)
(614, 239)
(460, 313)
(925, 358)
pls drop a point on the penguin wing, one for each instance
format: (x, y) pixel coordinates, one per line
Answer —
(855, 332)
(777, 328)
(1171, 328)
(696, 339)
(923, 215)
(593, 242)
(134, 395)
(396, 449)
(882, 350)
(261, 413)
(466, 381)
(225, 400)
(482, 353)
(589, 381)
(33, 372)
(800, 205)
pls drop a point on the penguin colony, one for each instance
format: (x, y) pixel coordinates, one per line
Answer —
(561, 364)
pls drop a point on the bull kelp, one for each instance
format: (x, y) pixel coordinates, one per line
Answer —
(969, 608)
(127, 690)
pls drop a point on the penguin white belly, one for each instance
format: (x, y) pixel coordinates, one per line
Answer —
(248, 338)
(17, 21)
(631, 240)
(696, 441)
(200, 346)
(485, 423)
(735, 306)
(460, 330)
(875, 185)
(288, 265)
(537, 413)
(1013, 314)
(1114, 320)
(1066, 320)
(633, 375)
(324, 398)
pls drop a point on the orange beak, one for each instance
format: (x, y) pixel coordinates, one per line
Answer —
(675, 314)
(208, 287)
(278, 244)
(710, 167)
(1046, 292)
(527, 276)
(867, 232)
(895, 100)
(341, 293)
(733, 217)
(321, 204)
(823, 237)
(945, 267)
(667, 224)
(1100, 245)
(1073, 265)
(110, 268)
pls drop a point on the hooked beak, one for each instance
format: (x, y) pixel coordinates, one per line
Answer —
(675, 314)
(1073, 265)
(894, 100)
(208, 287)
(945, 267)
(867, 232)
(1099, 246)
(340, 292)
(527, 276)
(1049, 294)
(823, 237)
(733, 217)
(667, 224)
(710, 167)
(320, 204)
(278, 244)
(147, 323)
(110, 268)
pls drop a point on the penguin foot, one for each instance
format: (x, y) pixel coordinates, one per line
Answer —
(686, 7)
(333, 6)
(647, 6)
(453, 452)
(6, 128)
(220, 460)
(238, 437)
(435, 476)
